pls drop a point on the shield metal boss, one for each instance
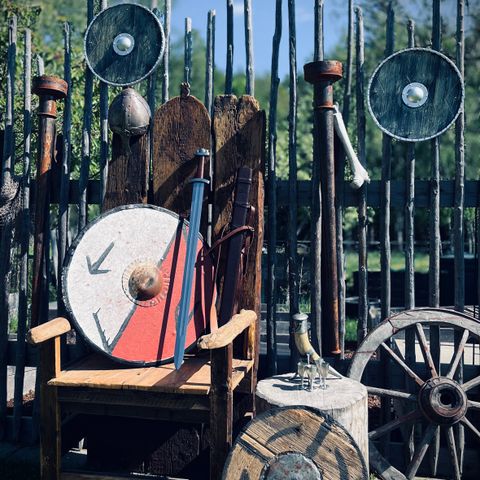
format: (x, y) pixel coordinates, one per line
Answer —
(415, 94)
(124, 44)
(122, 284)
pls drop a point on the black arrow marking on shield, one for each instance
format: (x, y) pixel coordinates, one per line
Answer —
(101, 331)
(94, 268)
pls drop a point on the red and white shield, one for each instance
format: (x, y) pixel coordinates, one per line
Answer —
(122, 283)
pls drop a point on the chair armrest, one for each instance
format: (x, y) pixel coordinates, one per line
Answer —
(46, 331)
(228, 332)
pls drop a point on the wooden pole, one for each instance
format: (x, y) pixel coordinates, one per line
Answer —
(24, 239)
(167, 18)
(293, 281)
(104, 143)
(322, 75)
(316, 209)
(385, 249)
(6, 229)
(458, 214)
(9, 136)
(66, 159)
(340, 183)
(272, 197)
(209, 64)
(435, 239)
(187, 66)
(229, 67)
(362, 327)
(250, 68)
(86, 138)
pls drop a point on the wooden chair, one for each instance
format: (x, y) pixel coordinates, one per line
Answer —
(202, 389)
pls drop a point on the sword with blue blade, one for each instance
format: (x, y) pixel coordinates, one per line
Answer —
(191, 254)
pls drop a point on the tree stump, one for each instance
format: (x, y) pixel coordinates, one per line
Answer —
(295, 442)
(345, 400)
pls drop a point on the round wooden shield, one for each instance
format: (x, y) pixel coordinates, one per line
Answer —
(124, 44)
(415, 94)
(294, 442)
(122, 284)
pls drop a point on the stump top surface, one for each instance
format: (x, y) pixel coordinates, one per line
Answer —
(283, 392)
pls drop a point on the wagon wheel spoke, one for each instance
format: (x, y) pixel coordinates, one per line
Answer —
(458, 355)
(434, 452)
(427, 356)
(452, 448)
(421, 451)
(388, 427)
(384, 392)
(473, 405)
(470, 425)
(402, 363)
(474, 382)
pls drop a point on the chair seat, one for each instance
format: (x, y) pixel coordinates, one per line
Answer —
(193, 378)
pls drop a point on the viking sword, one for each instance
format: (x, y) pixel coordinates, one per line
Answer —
(191, 254)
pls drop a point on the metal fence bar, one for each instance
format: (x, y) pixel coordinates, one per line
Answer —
(66, 159)
(187, 64)
(362, 326)
(86, 137)
(316, 207)
(272, 197)
(293, 285)
(229, 66)
(167, 19)
(24, 239)
(250, 64)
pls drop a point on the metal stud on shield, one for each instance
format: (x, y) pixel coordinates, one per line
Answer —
(415, 94)
(124, 44)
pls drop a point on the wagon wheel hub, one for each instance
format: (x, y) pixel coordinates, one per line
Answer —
(443, 401)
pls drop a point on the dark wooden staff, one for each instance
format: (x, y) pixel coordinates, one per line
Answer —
(323, 74)
(49, 89)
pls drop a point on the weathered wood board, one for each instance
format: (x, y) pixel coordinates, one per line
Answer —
(295, 442)
(127, 172)
(238, 139)
(181, 127)
(345, 400)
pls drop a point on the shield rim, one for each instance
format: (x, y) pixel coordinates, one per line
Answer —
(160, 54)
(406, 50)
(64, 284)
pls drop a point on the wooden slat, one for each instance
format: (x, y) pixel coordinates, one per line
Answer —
(192, 378)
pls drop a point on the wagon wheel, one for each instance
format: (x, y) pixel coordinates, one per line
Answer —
(435, 397)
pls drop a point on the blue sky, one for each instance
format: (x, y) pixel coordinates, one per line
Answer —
(263, 28)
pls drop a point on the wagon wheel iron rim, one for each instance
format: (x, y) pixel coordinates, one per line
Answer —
(439, 400)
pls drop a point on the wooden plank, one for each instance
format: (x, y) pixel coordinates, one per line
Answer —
(250, 67)
(193, 377)
(182, 126)
(229, 64)
(128, 172)
(188, 47)
(167, 16)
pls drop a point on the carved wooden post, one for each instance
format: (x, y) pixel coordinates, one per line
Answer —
(49, 89)
(322, 74)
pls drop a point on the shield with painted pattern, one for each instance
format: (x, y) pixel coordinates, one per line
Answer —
(122, 283)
